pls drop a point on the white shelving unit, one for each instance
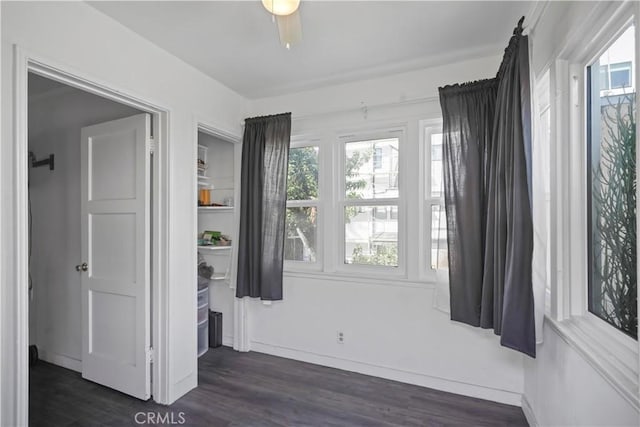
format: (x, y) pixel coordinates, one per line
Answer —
(216, 172)
(214, 248)
(215, 209)
(203, 321)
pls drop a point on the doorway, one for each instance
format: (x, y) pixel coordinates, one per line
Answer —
(89, 235)
(25, 64)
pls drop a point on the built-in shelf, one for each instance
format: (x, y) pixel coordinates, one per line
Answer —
(214, 248)
(203, 181)
(215, 208)
(219, 276)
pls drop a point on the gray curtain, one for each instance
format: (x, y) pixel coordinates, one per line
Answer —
(265, 155)
(487, 155)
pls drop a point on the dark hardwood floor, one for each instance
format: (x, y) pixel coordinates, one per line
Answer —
(253, 389)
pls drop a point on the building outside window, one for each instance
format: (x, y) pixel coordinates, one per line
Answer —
(371, 195)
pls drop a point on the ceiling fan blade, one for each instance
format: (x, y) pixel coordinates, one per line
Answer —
(290, 29)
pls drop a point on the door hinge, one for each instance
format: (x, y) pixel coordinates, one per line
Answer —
(153, 145)
(151, 354)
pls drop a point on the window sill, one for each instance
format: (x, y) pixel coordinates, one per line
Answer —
(362, 278)
(612, 357)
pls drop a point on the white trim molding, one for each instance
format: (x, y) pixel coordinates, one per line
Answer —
(528, 412)
(241, 340)
(60, 360)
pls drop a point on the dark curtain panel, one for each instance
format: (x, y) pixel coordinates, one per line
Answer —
(265, 155)
(468, 114)
(487, 155)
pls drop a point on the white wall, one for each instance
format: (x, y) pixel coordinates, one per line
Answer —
(55, 121)
(561, 387)
(80, 39)
(391, 328)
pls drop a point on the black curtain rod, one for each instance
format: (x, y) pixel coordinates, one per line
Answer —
(272, 116)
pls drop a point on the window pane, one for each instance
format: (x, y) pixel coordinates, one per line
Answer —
(439, 253)
(377, 158)
(612, 197)
(371, 169)
(302, 179)
(436, 165)
(620, 75)
(300, 241)
(369, 240)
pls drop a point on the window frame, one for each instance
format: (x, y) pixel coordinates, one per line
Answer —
(609, 351)
(543, 105)
(341, 202)
(294, 265)
(427, 129)
(579, 142)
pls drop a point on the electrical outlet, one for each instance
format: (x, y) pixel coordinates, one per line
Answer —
(340, 337)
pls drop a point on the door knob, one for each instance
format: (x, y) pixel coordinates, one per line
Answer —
(82, 267)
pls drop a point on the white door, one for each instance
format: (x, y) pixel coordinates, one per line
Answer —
(115, 267)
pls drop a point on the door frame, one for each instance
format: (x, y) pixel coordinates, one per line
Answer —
(241, 340)
(25, 62)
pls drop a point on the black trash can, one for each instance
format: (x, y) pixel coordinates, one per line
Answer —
(215, 329)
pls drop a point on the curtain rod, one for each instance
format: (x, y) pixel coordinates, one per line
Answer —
(364, 108)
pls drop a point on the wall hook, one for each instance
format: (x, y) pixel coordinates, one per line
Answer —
(37, 163)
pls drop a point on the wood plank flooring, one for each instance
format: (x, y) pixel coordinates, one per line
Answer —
(253, 389)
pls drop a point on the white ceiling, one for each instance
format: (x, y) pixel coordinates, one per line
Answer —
(40, 85)
(236, 43)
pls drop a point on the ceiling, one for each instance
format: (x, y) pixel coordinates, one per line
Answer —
(40, 85)
(236, 42)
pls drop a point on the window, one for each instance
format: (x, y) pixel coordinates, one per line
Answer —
(590, 301)
(438, 254)
(370, 207)
(615, 76)
(611, 186)
(377, 158)
(302, 205)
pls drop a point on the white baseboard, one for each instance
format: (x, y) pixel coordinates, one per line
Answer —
(182, 387)
(227, 341)
(409, 377)
(60, 360)
(528, 412)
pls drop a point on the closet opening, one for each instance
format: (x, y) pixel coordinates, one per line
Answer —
(216, 169)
